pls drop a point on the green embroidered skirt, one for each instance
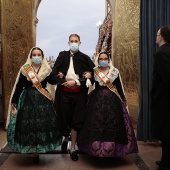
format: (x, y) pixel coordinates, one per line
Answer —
(35, 128)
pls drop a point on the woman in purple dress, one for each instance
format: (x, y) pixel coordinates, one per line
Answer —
(107, 131)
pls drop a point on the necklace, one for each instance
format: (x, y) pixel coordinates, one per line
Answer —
(36, 68)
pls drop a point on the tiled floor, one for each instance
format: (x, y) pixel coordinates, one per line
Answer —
(145, 160)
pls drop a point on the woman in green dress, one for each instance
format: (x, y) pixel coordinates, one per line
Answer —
(32, 124)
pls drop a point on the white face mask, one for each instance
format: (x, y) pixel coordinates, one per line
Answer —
(36, 60)
(74, 47)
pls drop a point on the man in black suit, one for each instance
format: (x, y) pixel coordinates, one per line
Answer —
(70, 72)
(160, 96)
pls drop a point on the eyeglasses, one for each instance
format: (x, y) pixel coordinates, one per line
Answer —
(103, 59)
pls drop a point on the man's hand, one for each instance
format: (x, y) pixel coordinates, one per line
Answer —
(69, 84)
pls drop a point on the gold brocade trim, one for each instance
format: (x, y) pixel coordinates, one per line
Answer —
(106, 80)
(31, 74)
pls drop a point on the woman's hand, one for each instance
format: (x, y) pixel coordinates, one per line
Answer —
(60, 75)
(14, 110)
(125, 103)
(13, 105)
(87, 75)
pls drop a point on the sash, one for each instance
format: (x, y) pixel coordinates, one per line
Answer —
(32, 75)
(106, 81)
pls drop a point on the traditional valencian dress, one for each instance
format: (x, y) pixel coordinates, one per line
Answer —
(108, 131)
(35, 126)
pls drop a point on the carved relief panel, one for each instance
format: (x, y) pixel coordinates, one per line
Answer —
(126, 49)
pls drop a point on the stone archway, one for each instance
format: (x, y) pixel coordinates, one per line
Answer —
(19, 32)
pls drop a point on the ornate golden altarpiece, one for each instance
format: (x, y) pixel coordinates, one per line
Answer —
(125, 50)
(18, 19)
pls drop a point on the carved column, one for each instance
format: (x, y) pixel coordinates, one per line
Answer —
(17, 40)
(36, 4)
(1, 114)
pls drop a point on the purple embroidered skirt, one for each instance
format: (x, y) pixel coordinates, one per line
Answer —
(105, 132)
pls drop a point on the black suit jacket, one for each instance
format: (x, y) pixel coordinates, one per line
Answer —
(160, 94)
(81, 62)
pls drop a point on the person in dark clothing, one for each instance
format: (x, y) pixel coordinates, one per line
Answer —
(33, 124)
(107, 131)
(69, 72)
(160, 92)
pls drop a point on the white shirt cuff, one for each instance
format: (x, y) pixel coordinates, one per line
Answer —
(77, 82)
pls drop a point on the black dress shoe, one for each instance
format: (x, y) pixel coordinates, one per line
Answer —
(74, 155)
(158, 163)
(163, 168)
(64, 146)
(36, 159)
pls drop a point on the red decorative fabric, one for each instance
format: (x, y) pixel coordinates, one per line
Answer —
(65, 89)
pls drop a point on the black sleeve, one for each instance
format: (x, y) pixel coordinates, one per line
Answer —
(92, 78)
(55, 71)
(91, 65)
(118, 85)
(82, 79)
(19, 88)
(162, 60)
(90, 69)
(50, 80)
